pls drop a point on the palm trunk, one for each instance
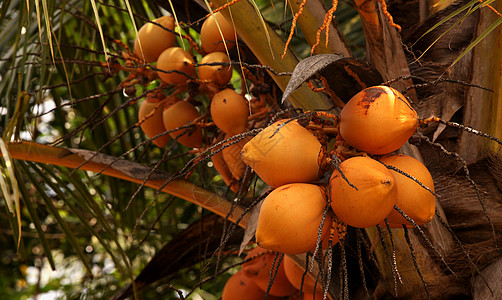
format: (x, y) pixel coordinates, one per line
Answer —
(483, 111)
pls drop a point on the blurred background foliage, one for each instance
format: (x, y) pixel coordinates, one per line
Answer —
(84, 236)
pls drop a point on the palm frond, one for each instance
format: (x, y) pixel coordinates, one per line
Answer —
(69, 233)
(9, 186)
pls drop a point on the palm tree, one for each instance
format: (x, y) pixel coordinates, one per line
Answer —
(86, 183)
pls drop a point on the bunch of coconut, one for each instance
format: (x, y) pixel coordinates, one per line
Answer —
(155, 44)
(287, 156)
(252, 281)
(362, 190)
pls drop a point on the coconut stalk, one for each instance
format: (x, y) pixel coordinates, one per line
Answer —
(310, 20)
(133, 172)
(383, 44)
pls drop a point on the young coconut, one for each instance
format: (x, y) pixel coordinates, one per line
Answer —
(231, 155)
(240, 286)
(333, 235)
(152, 39)
(216, 31)
(417, 202)
(219, 74)
(370, 197)
(230, 111)
(221, 166)
(292, 154)
(259, 270)
(153, 125)
(290, 218)
(296, 275)
(177, 64)
(378, 120)
(179, 114)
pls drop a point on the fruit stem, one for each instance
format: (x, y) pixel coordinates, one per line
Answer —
(429, 120)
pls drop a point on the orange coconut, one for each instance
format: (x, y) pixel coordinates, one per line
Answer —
(370, 200)
(289, 155)
(308, 296)
(296, 274)
(241, 286)
(214, 31)
(152, 39)
(418, 203)
(153, 125)
(325, 240)
(290, 217)
(378, 120)
(259, 267)
(230, 111)
(175, 66)
(219, 74)
(221, 166)
(231, 155)
(324, 243)
(180, 114)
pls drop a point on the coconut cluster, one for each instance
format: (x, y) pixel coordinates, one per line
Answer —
(304, 210)
(164, 117)
(252, 280)
(286, 156)
(363, 189)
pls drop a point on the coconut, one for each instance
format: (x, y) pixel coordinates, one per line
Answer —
(175, 66)
(230, 111)
(290, 218)
(216, 31)
(179, 114)
(378, 120)
(259, 269)
(219, 74)
(417, 202)
(153, 125)
(370, 196)
(152, 39)
(284, 155)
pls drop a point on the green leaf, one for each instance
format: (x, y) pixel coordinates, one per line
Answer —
(77, 213)
(9, 186)
(449, 17)
(3, 9)
(38, 225)
(59, 219)
(98, 23)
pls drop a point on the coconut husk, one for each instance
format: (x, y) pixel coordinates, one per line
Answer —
(487, 287)
(483, 254)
